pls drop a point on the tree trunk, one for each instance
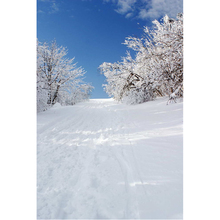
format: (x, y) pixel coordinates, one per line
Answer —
(49, 101)
(55, 95)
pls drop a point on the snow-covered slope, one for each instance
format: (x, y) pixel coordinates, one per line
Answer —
(101, 159)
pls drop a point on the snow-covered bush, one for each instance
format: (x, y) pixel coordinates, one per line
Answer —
(136, 96)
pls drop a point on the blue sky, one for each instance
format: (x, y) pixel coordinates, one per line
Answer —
(93, 30)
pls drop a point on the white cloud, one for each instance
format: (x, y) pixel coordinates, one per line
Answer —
(143, 14)
(160, 8)
(125, 6)
(54, 8)
(129, 15)
(40, 11)
(148, 9)
(155, 9)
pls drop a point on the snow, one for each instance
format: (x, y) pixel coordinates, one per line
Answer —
(57, 105)
(105, 160)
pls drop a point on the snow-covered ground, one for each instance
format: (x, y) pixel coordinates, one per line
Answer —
(101, 159)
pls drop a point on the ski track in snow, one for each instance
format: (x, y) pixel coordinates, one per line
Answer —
(104, 160)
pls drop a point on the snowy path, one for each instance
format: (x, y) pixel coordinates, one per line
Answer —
(101, 159)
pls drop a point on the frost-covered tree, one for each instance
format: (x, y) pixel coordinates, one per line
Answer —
(168, 38)
(57, 76)
(121, 77)
(156, 70)
(75, 95)
(42, 84)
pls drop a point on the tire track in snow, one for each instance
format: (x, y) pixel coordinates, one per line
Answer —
(125, 165)
(134, 158)
(83, 170)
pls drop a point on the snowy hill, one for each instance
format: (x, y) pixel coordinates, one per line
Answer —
(101, 159)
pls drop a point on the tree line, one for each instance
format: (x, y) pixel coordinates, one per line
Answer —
(157, 68)
(58, 77)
